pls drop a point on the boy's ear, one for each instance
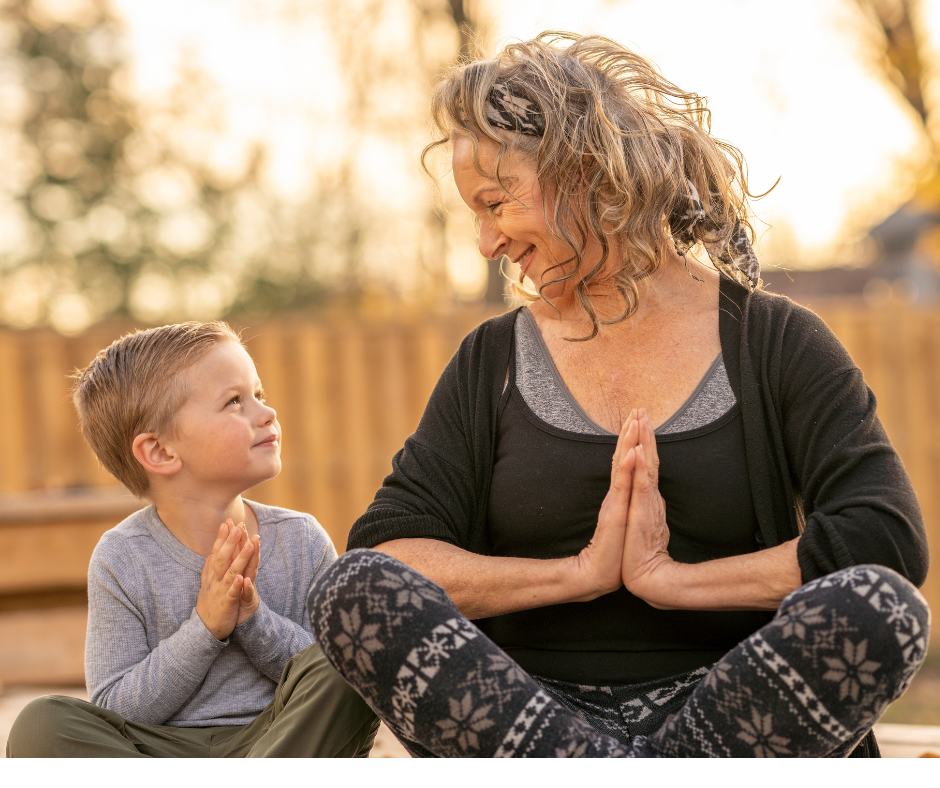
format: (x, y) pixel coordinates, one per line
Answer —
(155, 455)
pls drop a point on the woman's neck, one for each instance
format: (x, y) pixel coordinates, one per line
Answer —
(676, 284)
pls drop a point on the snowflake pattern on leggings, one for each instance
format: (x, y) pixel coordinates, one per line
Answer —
(810, 683)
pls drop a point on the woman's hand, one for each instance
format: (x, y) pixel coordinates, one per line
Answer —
(600, 562)
(645, 555)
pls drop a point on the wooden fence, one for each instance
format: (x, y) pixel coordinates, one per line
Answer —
(348, 394)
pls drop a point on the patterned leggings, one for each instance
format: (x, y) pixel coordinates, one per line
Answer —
(810, 683)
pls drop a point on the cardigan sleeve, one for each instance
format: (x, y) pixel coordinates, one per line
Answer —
(439, 482)
(858, 503)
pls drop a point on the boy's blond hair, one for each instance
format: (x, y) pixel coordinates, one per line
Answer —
(134, 386)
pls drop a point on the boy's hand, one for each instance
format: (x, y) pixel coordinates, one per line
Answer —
(249, 598)
(222, 581)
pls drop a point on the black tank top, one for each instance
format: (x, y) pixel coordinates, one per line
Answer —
(547, 489)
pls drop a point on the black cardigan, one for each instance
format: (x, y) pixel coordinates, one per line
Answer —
(820, 462)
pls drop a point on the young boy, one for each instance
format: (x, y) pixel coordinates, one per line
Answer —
(198, 642)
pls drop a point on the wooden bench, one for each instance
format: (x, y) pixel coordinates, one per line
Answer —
(47, 539)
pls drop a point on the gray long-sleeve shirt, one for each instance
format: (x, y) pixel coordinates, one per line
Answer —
(149, 657)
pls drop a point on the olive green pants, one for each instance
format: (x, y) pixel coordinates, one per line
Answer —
(314, 714)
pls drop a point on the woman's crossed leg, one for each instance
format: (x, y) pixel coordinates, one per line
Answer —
(810, 683)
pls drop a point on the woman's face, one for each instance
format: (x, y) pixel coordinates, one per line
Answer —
(515, 228)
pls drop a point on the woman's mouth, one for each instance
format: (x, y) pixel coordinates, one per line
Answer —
(526, 258)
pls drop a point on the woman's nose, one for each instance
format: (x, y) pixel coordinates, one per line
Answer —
(493, 243)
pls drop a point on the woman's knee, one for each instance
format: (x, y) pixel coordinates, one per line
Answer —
(871, 599)
(354, 572)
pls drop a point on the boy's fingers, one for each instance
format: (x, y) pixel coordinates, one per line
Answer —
(251, 571)
(235, 589)
(224, 557)
(220, 539)
(242, 558)
(248, 591)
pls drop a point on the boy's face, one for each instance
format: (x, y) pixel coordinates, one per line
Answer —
(225, 434)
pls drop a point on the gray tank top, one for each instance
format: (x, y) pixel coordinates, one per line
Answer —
(548, 397)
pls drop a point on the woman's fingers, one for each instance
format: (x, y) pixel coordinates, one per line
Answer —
(648, 442)
(625, 441)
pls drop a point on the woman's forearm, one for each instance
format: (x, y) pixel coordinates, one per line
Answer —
(753, 581)
(482, 586)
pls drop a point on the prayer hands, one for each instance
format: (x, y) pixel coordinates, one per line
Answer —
(227, 596)
(647, 534)
(602, 560)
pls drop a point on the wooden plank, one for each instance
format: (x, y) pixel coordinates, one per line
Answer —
(357, 439)
(43, 646)
(57, 424)
(69, 505)
(266, 349)
(38, 557)
(13, 443)
(319, 496)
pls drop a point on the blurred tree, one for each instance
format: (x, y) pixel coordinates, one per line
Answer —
(389, 54)
(110, 210)
(900, 48)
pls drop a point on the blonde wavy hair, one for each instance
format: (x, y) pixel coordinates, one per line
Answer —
(620, 144)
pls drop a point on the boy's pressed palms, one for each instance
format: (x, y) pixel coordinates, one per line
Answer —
(223, 579)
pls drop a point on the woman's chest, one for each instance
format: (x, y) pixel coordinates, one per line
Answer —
(613, 374)
(548, 486)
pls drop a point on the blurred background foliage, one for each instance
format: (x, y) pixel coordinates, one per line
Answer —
(111, 209)
(116, 207)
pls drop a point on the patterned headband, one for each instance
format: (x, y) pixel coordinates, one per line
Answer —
(733, 255)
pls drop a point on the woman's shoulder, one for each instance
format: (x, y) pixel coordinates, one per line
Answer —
(493, 330)
(796, 334)
(486, 348)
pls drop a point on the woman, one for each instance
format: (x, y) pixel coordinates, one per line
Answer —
(623, 481)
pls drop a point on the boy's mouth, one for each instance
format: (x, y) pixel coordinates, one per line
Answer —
(271, 440)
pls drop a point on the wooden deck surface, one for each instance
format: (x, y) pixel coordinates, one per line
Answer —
(896, 741)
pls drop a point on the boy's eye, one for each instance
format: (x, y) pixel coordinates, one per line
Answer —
(234, 400)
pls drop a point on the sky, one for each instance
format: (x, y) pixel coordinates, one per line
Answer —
(787, 83)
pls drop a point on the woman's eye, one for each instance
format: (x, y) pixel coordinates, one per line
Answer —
(493, 206)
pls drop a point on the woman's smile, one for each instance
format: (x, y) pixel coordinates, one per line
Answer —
(525, 259)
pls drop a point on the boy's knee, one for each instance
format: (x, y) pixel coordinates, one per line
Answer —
(35, 727)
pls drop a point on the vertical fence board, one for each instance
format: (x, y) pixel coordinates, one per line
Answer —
(13, 396)
(348, 394)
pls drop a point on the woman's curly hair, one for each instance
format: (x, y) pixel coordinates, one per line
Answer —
(620, 144)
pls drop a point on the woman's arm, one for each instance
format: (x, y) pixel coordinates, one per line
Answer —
(753, 581)
(483, 586)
